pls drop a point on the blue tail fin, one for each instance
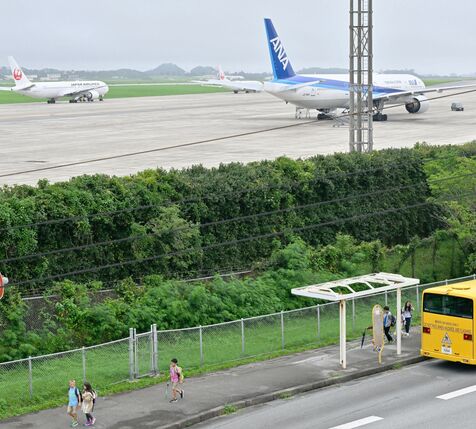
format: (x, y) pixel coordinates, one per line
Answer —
(282, 68)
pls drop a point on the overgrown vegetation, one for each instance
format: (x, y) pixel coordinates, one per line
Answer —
(183, 223)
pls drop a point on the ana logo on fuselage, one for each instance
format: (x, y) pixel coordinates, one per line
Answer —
(17, 74)
(279, 50)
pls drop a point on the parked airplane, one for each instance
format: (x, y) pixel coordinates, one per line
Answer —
(329, 92)
(229, 83)
(74, 90)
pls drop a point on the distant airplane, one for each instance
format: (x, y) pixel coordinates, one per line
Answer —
(326, 93)
(229, 82)
(77, 90)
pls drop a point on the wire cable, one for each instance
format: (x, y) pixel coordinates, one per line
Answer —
(226, 243)
(213, 196)
(228, 220)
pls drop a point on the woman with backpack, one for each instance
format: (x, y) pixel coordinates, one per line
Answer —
(388, 322)
(407, 313)
(89, 398)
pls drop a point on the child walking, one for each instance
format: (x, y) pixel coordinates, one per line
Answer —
(74, 402)
(176, 377)
(407, 313)
(89, 397)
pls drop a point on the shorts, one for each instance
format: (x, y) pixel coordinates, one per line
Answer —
(72, 409)
(176, 385)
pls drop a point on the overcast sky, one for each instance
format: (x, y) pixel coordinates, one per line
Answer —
(430, 37)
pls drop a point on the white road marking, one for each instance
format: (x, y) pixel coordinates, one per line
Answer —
(457, 393)
(358, 423)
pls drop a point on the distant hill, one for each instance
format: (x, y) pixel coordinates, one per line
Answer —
(166, 69)
(203, 71)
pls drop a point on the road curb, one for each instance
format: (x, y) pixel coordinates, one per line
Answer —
(291, 391)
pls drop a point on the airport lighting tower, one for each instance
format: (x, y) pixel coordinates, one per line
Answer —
(360, 77)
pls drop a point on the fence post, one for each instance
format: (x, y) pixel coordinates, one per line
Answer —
(131, 354)
(84, 364)
(282, 329)
(386, 298)
(242, 336)
(136, 354)
(30, 376)
(200, 330)
(155, 364)
(318, 321)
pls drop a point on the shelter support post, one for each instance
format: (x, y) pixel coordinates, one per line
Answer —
(398, 316)
(343, 361)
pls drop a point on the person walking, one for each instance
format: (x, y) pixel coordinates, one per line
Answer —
(89, 397)
(407, 313)
(74, 402)
(176, 378)
(387, 323)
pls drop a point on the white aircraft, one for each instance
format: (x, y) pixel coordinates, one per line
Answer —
(77, 90)
(230, 83)
(326, 93)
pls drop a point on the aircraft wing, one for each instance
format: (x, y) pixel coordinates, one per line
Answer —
(213, 82)
(79, 92)
(394, 95)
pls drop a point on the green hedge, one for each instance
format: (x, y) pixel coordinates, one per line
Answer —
(182, 200)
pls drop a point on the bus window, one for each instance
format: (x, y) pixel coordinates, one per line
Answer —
(448, 305)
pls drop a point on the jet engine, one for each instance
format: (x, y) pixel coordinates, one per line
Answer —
(419, 104)
(92, 95)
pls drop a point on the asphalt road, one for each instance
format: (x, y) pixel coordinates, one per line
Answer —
(41, 135)
(401, 399)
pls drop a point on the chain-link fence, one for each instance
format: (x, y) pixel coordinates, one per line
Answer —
(44, 379)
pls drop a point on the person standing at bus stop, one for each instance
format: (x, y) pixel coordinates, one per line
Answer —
(387, 323)
(407, 313)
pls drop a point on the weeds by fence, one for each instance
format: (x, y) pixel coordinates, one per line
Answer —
(39, 380)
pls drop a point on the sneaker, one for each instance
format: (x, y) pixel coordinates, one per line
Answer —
(87, 424)
(93, 421)
(173, 400)
(74, 424)
(181, 394)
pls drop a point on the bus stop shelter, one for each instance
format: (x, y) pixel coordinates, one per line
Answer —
(358, 287)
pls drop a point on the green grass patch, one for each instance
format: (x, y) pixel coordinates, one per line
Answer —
(229, 409)
(126, 91)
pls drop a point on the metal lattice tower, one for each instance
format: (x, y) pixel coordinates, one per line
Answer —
(360, 77)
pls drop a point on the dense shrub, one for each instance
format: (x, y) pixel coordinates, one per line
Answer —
(186, 212)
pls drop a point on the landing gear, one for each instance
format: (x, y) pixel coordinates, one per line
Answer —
(101, 98)
(323, 117)
(51, 101)
(379, 117)
(73, 100)
(235, 92)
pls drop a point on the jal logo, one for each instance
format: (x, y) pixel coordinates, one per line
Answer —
(279, 50)
(17, 74)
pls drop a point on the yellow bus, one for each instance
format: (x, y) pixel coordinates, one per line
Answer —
(447, 322)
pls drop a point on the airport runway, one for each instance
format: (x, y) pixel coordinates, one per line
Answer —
(40, 135)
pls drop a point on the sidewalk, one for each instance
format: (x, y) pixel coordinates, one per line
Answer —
(242, 386)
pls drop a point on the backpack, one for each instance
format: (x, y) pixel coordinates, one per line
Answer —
(180, 374)
(78, 394)
(393, 320)
(95, 395)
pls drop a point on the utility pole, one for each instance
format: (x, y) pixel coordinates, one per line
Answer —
(360, 77)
